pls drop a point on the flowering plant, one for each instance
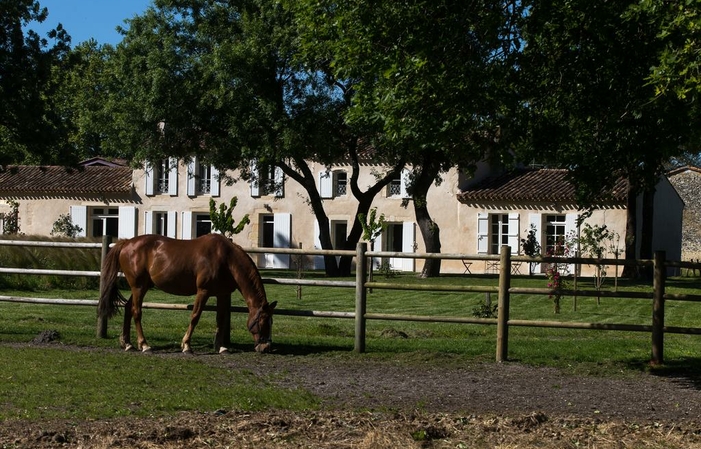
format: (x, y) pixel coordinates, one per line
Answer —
(557, 271)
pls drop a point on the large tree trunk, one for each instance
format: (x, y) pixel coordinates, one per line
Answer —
(430, 232)
(631, 271)
(646, 232)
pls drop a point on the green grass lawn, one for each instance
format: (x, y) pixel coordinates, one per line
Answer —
(46, 375)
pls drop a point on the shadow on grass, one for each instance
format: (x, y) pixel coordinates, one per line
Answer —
(686, 371)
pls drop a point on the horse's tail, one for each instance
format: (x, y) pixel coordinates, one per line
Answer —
(110, 296)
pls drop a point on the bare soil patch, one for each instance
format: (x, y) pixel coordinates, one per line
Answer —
(378, 404)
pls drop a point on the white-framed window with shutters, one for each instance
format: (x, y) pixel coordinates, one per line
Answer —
(275, 231)
(267, 180)
(495, 230)
(397, 186)
(160, 222)
(162, 177)
(202, 179)
(333, 184)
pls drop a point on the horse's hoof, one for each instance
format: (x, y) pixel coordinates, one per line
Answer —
(224, 350)
(186, 349)
(146, 349)
(128, 348)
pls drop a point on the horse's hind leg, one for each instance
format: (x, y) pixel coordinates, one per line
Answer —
(125, 338)
(222, 339)
(200, 301)
(137, 301)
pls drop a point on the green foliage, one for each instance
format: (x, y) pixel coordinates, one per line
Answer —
(596, 242)
(222, 218)
(531, 246)
(31, 128)
(589, 98)
(10, 224)
(372, 225)
(64, 227)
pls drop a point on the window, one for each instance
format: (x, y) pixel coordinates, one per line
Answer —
(555, 230)
(204, 185)
(395, 187)
(202, 179)
(104, 221)
(160, 223)
(274, 232)
(341, 181)
(162, 177)
(162, 171)
(339, 231)
(499, 232)
(267, 180)
(203, 224)
(333, 184)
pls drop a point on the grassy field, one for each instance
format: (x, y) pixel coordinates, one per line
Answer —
(26, 372)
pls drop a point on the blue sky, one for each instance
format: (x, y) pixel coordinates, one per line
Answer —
(85, 19)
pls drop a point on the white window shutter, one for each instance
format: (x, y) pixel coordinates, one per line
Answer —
(150, 179)
(377, 261)
(148, 222)
(127, 222)
(173, 177)
(513, 236)
(571, 229)
(482, 233)
(403, 182)
(214, 182)
(187, 225)
(79, 217)
(536, 220)
(192, 171)
(172, 221)
(282, 235)
(279, 182)
(255, 179)
(408, 240)
(326, 184)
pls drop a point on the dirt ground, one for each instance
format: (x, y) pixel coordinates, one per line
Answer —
(371, 404)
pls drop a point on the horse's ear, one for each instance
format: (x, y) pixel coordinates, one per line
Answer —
(272, 305)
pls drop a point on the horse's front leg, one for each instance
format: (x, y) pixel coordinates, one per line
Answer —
(125, 338)
(222, 338)
(200, 301)
(137, 301)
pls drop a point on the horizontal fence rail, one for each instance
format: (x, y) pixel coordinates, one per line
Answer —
(362, 285)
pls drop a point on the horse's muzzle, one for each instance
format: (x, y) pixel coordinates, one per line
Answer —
(264, 347)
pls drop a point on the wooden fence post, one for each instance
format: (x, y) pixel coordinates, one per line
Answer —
(102, 322)
(660, 271)
(503, 312)
(360, 296)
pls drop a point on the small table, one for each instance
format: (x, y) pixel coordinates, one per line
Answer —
(467, 266)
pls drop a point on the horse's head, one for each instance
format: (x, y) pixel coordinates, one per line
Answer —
(260, 324)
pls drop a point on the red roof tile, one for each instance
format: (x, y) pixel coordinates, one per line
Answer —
(530, 185)
(62, 180)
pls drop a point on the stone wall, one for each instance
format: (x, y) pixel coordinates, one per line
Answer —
(687, 182)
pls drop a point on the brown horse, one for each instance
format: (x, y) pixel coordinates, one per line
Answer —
(210, 265)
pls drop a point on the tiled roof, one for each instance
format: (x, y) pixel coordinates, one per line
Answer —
(64, 180)
(543, 184)
(683, 169)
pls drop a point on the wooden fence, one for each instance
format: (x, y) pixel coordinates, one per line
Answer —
(504, 290)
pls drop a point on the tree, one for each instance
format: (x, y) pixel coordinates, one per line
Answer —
(228, 83)
(223, 220)
(432, 77)
(31, 130)
(588, 106)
